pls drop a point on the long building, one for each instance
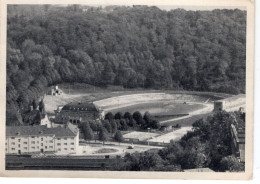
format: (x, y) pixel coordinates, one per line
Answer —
(232, 103)
(40, 138)
(238, 140)
(78, 112)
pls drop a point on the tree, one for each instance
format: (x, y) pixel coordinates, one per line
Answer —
(132, 123)
(138, 117)
(128, 115)
(148, 120)
(108, 75)
(109, 116)
(123, 124)
(114, 126)
(103, 135)
(155, 124)
(119, 115)
(87, 131)
(35, 105)
(93, 125)
(231, 164)
(118, 137)
(108, 126)
(42, 107)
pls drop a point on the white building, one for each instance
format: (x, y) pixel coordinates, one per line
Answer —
(33, 139)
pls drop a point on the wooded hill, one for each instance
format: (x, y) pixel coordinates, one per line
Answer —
(137, 46)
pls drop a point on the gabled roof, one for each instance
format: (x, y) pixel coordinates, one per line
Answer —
(78, 106)
(68, 131)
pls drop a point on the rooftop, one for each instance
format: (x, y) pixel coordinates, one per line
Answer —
(78, 106)
(68, 131)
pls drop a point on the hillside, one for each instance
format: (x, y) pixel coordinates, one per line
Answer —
(133, 47)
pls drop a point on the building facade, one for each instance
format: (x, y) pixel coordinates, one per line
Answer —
(238, 141)
(78, 112)
(40, 139)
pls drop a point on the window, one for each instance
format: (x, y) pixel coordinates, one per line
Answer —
(65, 143)
(51, 141)
(41, 139)
(71, 148)
(37, 147)
(33, 142)
(58, 138)
(59, 149)
(13, 143)
(65, 148)
(33, 147)
(13, 148)
(32, 137)
(25, 148)
(41, 144)
(51, 146)
(72, 143)
(58, 144)
(46, 147)
(12, 138)
(19, 140)
(25, 142)
(65, 138)
(19, 145)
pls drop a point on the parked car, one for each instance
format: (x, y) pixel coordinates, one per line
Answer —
(131, 147)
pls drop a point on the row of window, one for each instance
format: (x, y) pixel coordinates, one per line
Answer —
(14, 148)
(64, 138)
(33, 147)
(33, 142)
(65, 144)
(59, 149)
(41, 138)
(19, 140)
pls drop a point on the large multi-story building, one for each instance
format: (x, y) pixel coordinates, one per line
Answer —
(39, 138)
(230, 104)
(78, 112)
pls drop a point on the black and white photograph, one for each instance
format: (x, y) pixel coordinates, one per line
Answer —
(127, 88)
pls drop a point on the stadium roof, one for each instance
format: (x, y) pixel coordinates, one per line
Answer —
(67, 131)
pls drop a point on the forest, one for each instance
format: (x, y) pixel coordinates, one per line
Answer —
(133, 47)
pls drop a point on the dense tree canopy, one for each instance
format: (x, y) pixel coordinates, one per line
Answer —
(129, 46)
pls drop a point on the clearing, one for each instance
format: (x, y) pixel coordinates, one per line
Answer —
(141, 136)
(174, 135)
